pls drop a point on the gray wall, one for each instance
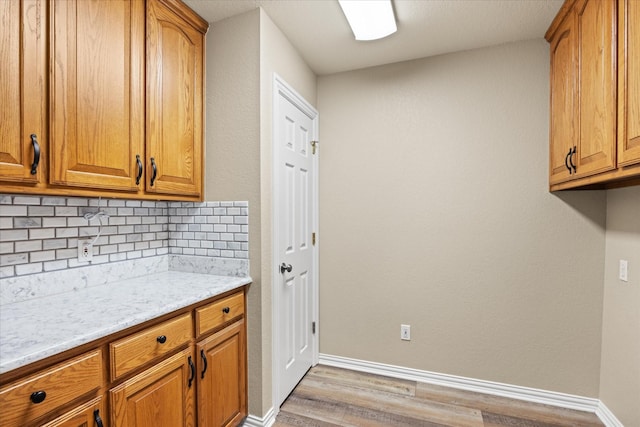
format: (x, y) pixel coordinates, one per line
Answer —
(243, 52)
(435, 212)
(620, 371)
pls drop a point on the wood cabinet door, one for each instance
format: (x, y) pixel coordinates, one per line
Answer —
(161, 396)
(222, 386)
(23, 89)
(91, 414)
(629, 87)
(562, 126)
(97, 93)
(175, 51)
(596, 151)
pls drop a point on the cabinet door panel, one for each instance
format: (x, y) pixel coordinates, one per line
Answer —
(82, 416)
(563, 111)
(174, 102)
(23, 56)
(629, 74)
(97, 93)
(596, 151)
(222, 391)
(158, 397)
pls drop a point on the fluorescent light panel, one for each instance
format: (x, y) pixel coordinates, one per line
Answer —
(369, 19)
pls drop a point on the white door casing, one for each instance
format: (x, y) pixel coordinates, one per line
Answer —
(295, 292)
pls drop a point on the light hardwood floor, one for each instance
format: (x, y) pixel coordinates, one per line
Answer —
(329, 396)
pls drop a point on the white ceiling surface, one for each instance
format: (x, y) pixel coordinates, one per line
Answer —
(320, 32)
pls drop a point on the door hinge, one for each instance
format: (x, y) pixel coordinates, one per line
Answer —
(313, 327)
(313, 146)
(313, 239)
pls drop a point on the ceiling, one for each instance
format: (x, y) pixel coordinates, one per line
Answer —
(320, 32)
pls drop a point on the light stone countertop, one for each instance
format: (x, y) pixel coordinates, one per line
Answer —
(36, 328)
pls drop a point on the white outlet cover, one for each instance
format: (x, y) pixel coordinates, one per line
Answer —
(85, 251)
(405, 332)
(624, 270)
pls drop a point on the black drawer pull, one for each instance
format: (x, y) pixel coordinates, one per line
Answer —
(96, 417)
(36, 154)
(571, 154)
(139, 163)
(38, 396)
(154, 171)
(162, 339)
(226, 310)
(204, 362)
(192, 367)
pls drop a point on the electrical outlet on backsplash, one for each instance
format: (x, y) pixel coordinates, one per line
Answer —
(40, 234)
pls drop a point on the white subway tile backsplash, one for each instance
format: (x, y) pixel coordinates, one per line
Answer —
(42, 256)
(40, 234)
(13, 235)
(13, 211)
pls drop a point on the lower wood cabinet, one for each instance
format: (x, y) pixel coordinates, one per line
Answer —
(189, 370)
(50, 390)
(161, 396)
(222, 394)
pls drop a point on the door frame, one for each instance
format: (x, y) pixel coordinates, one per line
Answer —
(282, 88)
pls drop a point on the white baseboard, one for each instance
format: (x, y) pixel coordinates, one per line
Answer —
(546, 397)
(267, 421)
(607, 417)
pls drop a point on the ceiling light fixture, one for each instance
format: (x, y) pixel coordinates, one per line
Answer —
(369, 19)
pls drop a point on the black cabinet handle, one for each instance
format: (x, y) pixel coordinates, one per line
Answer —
(204, 362)
(139, 175)
(154, 171)
(193, 371)
(162, 339)
(38, 396)
(566, 161)
(571, 154)
(36, 154)
(226, 310)
(96, 417)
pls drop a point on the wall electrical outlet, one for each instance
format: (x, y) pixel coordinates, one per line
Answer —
(85, 251)
(405, 332)
(624, 270)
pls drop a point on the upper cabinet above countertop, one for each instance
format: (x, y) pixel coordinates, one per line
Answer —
(113, 91)
(595, 95)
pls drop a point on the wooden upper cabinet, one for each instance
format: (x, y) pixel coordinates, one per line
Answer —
(629, 82)
(23, 90)
(175, 73)
(563, 101)
(595, 94)
(97, 93)
(597, 77)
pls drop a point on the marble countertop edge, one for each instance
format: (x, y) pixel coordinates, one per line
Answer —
(34, 329)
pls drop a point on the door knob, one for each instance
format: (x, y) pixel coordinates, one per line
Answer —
(284, 267)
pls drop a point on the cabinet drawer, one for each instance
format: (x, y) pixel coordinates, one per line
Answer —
(58, 386)
(135, 350)
(219, 312)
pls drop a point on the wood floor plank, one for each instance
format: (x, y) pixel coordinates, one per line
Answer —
(331, 412)
(364, 380)
(511, 407)
(330, 397)
(286, 419)
(408, 406)
(498, 420)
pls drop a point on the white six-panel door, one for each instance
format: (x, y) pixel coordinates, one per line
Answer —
(295, 291)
